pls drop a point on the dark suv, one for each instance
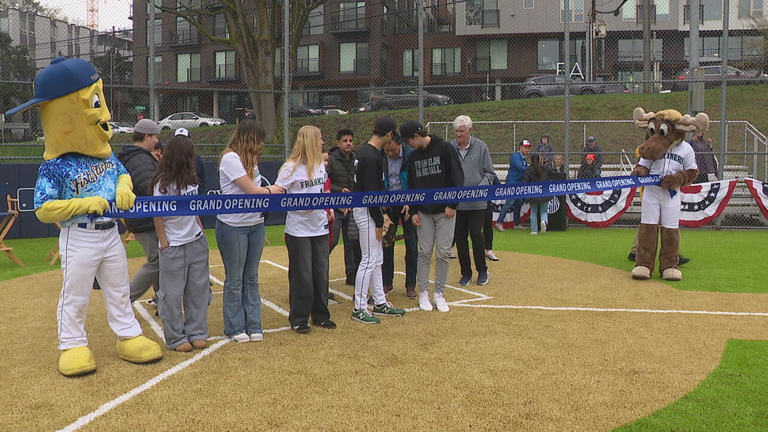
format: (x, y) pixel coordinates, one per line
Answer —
(399, 95)
(711, 77)
(554, 85)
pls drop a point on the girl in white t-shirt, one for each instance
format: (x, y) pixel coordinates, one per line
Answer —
(306, 234)
(241, 236)
(183, 254)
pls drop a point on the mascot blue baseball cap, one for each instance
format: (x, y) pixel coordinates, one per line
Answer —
(62, 77)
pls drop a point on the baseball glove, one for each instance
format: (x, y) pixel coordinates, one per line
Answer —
(390, 231)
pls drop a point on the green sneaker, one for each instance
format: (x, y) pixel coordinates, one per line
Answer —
(388, 309)
(364, 316)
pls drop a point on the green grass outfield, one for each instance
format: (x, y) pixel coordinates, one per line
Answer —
(732, 398)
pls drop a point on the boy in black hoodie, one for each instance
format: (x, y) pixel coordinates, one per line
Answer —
(433, 164)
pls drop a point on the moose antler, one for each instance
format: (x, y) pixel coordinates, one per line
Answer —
(699, 123)
(641, 117)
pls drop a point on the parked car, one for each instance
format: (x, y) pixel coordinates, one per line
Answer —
(121, 127)
(189, 120)
(711, 77)
(362, 108)
(554, 85)
(335, 111)
(405, 94)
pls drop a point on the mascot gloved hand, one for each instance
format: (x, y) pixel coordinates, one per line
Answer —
(666, 153)
(75, 183)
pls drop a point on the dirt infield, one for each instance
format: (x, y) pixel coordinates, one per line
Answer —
(548, 344)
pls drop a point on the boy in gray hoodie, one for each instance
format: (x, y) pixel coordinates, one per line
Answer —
(478, 170)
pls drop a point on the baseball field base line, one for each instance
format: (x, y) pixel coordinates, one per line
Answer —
(593, 309)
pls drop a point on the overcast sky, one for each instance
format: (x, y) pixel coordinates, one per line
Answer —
(111, 12)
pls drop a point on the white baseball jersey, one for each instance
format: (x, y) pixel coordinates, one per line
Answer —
(662, 206)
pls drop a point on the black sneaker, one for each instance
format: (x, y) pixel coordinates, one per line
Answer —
(331, 296)
(301, 328)
(350, 281)
(682, 260)
(631, 257)
(330, 325)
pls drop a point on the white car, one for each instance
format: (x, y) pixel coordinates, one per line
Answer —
(121, 127)
(189, 120)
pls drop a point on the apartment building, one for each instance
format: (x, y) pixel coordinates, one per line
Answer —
(47, 38)
(353, 47)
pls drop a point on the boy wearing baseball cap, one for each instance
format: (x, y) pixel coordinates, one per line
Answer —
(434, 163)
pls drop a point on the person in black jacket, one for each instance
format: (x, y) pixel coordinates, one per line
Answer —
(434, 163)
(341, 171)
(369, 177)
(141, 165)
(538, 172)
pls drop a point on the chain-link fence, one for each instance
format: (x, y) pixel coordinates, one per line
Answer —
(520, 69)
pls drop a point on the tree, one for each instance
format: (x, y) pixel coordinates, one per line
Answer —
(15, 68)
(114, 68)
(253, 37)
(31, 6)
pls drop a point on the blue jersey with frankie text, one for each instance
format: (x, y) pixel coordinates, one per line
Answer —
(75, 175)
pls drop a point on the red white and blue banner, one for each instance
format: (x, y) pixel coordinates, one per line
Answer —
(509, 220)
(701, 203)
(599, 209)
(759, 191)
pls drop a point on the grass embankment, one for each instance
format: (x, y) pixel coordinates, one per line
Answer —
(742, 102)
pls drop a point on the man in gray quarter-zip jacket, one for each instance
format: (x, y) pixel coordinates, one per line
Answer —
(478, 170)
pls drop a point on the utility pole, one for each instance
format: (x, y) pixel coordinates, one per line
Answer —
(420, 6)
(286, 81)
(724, 95)
(647, 55)
(590, 39)
(153, 111)
(567, 16)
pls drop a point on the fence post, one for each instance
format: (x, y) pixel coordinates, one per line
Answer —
(567, 60)
(724, 91)
(286, 82)
(420, 12)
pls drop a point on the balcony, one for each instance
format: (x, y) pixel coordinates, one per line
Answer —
(350, 22)
(307, 67)
(362, 66)
(490, 18)
(192, 74)
(687, 14)
(184, 37)
(221, 72)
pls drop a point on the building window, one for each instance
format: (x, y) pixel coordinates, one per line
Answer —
(527, 4)
(752, 47)
(307, 59)
(410, 63)
(314, 24)
(632, 49)
(662, 9)
(158, 69)
(482, 12)
(628, 11)
(4, 23)
(158, 31)
(225, 64)
(750, 9)
(352, 15)
(186, 33)
(157, 4)
(577, 10)
(713, 9)
(491, 55)
(353, 58)
(384, 59)
(446, 61)
(220, 26)
(548, 54)
(189, 103)
(187, 67)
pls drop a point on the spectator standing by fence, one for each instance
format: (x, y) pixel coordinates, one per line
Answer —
(592, 151)
(478, 171)
(517, 166)
(341, 171)
(705, 158)
(544, 148)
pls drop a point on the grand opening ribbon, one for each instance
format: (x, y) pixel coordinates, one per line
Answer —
(218, 204)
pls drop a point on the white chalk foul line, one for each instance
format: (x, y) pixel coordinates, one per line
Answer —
(148, 318)
(100, 411)
(593, 309)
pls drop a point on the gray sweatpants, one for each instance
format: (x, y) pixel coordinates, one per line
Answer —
(149, 274)
(184, 277)
(435, 232)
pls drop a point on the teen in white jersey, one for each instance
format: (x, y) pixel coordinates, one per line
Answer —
(306, 234)
(183, 302)
(240, 236)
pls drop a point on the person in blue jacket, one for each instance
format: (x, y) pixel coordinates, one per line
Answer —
(395, 179)
(517, 166)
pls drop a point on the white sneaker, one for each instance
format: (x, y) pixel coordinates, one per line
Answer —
(241, 338)
(533, 233)
(543, 226)
(424, 303)
(440, 303)
(257, 337)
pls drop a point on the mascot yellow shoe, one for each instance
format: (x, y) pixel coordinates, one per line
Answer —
(76, 361)
(77, 183)
(138, 350)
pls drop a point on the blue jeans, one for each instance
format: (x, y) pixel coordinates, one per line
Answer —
(539, 212)
(516, 205)
(240, 249)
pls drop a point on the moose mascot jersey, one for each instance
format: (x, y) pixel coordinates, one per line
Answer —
(79, 177)
(666, 153)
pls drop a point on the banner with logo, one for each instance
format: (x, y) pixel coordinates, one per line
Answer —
(759, 191)
(701, 203)
(599, 209)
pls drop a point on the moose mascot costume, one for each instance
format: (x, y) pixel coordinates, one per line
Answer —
(666, 153)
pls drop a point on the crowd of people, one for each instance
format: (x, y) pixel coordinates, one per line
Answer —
(391, 159)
